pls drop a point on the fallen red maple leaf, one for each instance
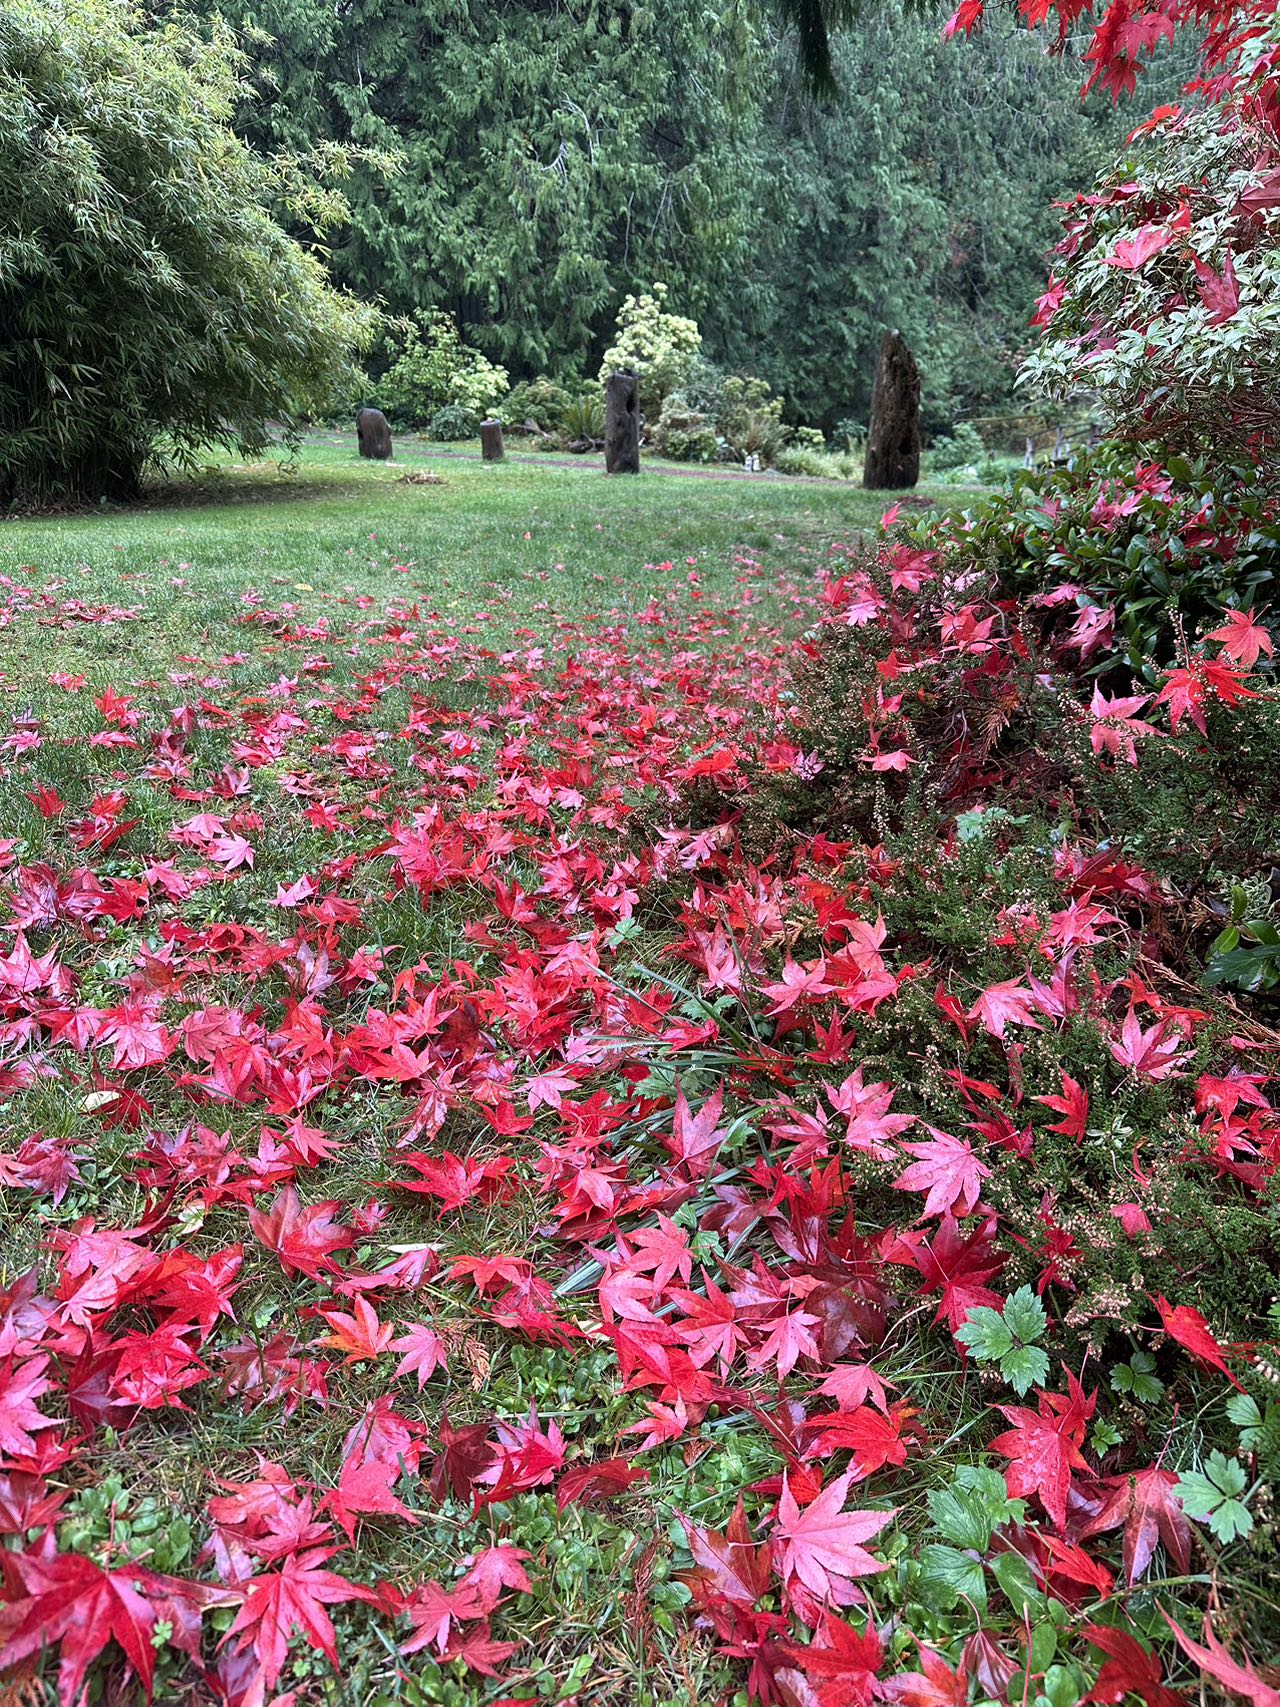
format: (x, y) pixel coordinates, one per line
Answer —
(293, 1598)
(1242, 638)
(463, 1456)
(954, 1266)
(729, 1567)
(948, 1171)
(1216, 1662)
(695, 1138)
(1130, 1670)
(934, 1685)
(874, 1438)
(1073, 1105)
(364, 1489)
(21, 1384)
(849, 1658)
(361, 1335)
(1132, 253)
(1145, 1503)
(820, 1545)
(305, 1240)
(607, 1476)
(72, 1603)
(1186, 1325)
(1044, 1446)
(423, 1352)
(454, 1179)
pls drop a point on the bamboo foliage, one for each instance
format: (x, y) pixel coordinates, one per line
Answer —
(150, 305)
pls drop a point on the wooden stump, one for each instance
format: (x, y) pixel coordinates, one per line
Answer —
(491, 446)
(374, 434)
(893, 437)
(622, 424)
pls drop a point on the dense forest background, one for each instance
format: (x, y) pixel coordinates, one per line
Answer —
(551, 157)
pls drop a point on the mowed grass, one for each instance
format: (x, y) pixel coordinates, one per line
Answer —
(279, 591)
(502, 555)
(503, 546)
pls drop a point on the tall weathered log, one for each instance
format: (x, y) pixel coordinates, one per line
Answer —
(622, 424)
(491, 446)
(893, 436)
(373, 434)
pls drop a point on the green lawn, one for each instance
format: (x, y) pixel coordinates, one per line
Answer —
(513, 541)
(373, 934)
(494, 551)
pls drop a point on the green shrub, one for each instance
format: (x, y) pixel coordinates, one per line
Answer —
(962, 449)
(850, 434)
(1164, 550)
(703, 388)
(1246, 955)
(684, 433)
(657, 346)
(453, 422)
(542, 401)
(151, 305)
(434, 370)
(1175, 337)
(582, 419)
(807, 438)
(750, 418)
(818, 465)
(797, 459)
(1125, 580)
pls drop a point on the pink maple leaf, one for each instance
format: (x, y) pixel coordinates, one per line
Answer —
(821, 1545)
(947, 1170)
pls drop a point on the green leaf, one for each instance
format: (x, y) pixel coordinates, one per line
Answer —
(1104, 1435)
(1243, 1410)
(1013, 1573)
(1007, 1338)
(948, 1575)
(975, 1504)
(961, 1518)
(1259, 1430)
(1024, 1367)
(991, 1487)
(1024, 1315)
(986, 1334)
(1251, 968)
(1062, 1685)
(1136, 1379)
(1212, 1494)
(1044, 1645)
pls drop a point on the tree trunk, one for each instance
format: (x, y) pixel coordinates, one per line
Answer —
(622, 424)
(893, 437)
(491, 446)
